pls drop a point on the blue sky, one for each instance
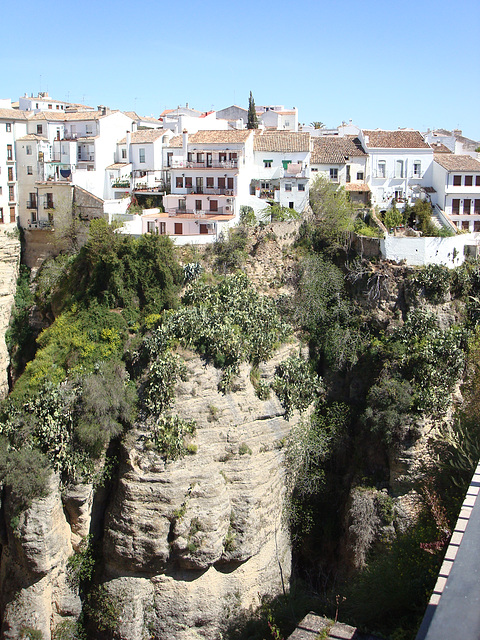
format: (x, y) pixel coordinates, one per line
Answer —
(381, 64)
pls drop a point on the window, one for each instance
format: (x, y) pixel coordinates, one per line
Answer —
(457, 181)
(301, 186)
(29, 171)
(39, 129)
(189, 156)
(179, 182)
(381, 169)
(88, 129)
(28, 150)
(124, 154)
(230, 183)
(222, 157)
(9, 152)
(399, 169)
(210, 183)
(49, 201)
(468, 181)
(58, 107)
(476, 225)
(141, 156)
(214, 205)
(455, 206)
(198, 205)
(288, 186)
(476, 207)
(49, 106)
(417, 169)
(467, 205)
(1, 190)
(200, 157)
(221, 183)
(477, 181)
(150, 226)
(169, 159)
(399, 195)
(10, 174)
(285, 163)
(11, 193)
(8, 126)
(360, 175)
(290, 205)
(347, 173)
(188, 182)
(267, 164)
(178, 229)
(12, 214)
(313, 169)
(1, 215)
(334, 174)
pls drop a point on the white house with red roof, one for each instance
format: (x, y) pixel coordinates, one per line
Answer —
(456, 180)
(399, 167)
(209, 180)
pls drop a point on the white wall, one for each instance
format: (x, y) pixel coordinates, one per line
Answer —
(422, 251)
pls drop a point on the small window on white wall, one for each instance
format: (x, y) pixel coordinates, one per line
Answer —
(141, 155)
(399, 169)
(382, 169)
(417, 169)
(28, 150)
(124, 154)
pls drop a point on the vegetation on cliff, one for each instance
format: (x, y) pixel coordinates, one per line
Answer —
(388, 348)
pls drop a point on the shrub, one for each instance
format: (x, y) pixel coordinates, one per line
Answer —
(169, 434)
(296, 385)
(247, 216)
(230, 253)
(433, 280)
(25, 472)
(81, 565)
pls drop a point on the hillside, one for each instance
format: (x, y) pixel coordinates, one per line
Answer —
(193, 452)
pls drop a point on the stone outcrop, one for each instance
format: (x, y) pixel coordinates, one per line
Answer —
(9, 269)
(187, 544)
(191, 542)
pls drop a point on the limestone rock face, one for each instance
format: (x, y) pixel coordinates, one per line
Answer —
(33, 585)
(9, 269)
(189, 543)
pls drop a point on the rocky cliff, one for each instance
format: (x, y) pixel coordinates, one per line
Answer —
(9, 268)
(186, 545)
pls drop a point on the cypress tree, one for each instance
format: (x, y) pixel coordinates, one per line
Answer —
(252, 121)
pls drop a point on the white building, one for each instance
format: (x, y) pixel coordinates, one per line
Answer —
(400, 165)
(277, 117)
(281, 170)
(342, 160)
(13, 124)
(43, 102)
(209, 181)
(456, 180)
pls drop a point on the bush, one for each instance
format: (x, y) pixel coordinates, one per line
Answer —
(25, 472)
(230, 253)
(169, 435)
(434, 281)
(296, 385)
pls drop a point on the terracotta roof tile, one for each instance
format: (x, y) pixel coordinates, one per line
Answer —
(335, 149)
(32, 136)
(118, 165)
(62, 116)
(145, 135)
(281, 141)
(13, 114)
(227, 136)
(453, 162)
(401, 139)
(438, 147)
(357, 187)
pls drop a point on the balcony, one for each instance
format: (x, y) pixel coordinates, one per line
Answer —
(225, 164)
(122, 184)
(207, 191)
(199, 213)
(31, 204)
(40, 224)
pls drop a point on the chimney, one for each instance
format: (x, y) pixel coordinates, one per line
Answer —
(129, 141)
(184, 146)
(457, 132)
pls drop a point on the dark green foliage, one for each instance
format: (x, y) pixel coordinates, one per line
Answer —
(25, 472)
(252, 118)
(121, 271)
(389, 408)
(29, 633)
(162, 376)
(230, 253)
(20, 338)
(69, 630)
(81, 565)
(102, 612)
(333, 215)
(169, 436)
(433, 281)
(277, 213)
(296, 385)
(247, 216)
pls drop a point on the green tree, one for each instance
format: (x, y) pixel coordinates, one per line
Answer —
(316, 124)
(252, 120)
(333, 213)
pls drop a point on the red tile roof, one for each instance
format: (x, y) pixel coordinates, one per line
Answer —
(335, 149)
(400, 139)
(281, 141)
(453, 162)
